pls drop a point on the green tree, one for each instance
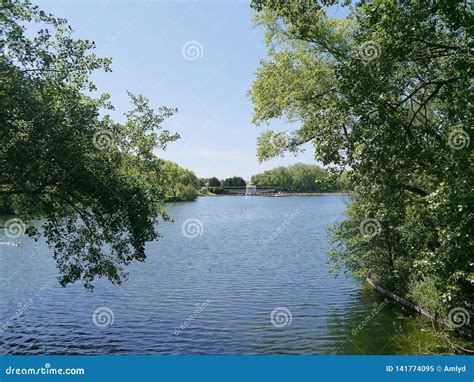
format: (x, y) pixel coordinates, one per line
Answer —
(235, 181)
(305, 178)
(179, 183)
(299, 177)
(384, 93)
(214, 182)
(93, 180)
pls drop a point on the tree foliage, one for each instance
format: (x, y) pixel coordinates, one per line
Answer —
(179, 183)
(95, 181)
(214, 182)
(385, 92)
(235, 181)
(299, 177)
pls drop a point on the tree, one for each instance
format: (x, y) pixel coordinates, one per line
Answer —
(179, 183)
(299, 177)
(235, 181)
(309, 178)
(384, 93)
(93, 180)
(214, 182)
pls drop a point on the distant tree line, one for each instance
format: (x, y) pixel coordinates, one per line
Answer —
(298, 178)
(216, 186)
(235, 181)
(302, 177)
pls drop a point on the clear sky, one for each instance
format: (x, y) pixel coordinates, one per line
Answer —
(147, 42)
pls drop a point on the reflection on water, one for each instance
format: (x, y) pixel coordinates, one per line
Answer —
(211, 289)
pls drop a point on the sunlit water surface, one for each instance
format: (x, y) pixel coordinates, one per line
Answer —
(211, 294)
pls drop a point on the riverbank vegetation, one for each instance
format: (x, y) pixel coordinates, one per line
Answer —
(297, 178)
(235, 181)
(384, 93)
(214, 186)
(179, 184)
(300, 178)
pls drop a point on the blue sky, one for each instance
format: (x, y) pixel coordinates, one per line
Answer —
(145, 40)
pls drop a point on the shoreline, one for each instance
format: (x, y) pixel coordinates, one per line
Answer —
(305, 194)
(466, 332)
(286, 194)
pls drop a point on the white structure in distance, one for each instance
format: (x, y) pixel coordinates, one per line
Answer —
(250, 189)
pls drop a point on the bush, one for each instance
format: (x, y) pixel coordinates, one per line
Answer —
(426, 293)
(187, 193)
(217, 190)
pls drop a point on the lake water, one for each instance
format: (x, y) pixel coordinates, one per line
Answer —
(209, 286)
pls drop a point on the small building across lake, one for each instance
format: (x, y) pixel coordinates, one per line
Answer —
(250, 189)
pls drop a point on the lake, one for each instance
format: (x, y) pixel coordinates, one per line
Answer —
(231, 275)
